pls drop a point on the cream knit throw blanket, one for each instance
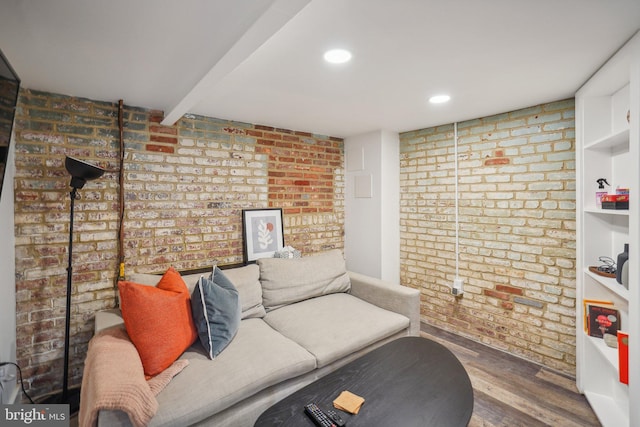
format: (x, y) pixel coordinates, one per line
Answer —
(114, 379)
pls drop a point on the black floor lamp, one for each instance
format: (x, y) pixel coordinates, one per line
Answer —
(80, 172)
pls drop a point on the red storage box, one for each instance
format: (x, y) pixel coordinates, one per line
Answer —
(615, 201)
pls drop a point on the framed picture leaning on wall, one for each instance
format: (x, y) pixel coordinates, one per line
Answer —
(262, 232)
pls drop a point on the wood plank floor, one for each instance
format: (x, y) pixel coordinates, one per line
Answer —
(510, 391)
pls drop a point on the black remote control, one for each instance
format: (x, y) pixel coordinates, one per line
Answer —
(319, 418)
(335, 418)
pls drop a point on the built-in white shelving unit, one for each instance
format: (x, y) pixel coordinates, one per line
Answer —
(608, 146)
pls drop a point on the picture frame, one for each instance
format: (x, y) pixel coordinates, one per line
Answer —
(263, 233)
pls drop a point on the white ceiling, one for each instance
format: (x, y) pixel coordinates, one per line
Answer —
(260, 61)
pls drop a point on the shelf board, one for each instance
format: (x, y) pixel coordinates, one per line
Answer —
(618, 139)
(610, 284)
(611, 354)
(608, 410)
(600, 211)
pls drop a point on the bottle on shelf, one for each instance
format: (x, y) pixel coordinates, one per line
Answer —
(623, 257)
(601, 191)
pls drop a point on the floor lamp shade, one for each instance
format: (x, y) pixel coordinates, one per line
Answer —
(80, 172)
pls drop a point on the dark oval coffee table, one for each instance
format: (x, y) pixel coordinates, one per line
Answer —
(411, 381)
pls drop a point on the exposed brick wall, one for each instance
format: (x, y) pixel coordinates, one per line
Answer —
(300, 169)
(186, 186)
(517, 230)
(302, 180)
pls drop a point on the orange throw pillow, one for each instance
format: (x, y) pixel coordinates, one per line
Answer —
(158, 320)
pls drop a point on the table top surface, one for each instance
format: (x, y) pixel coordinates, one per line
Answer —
(411, 381)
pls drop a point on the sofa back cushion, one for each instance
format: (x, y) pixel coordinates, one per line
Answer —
(246, 280)
(146, 279)
(285, 281)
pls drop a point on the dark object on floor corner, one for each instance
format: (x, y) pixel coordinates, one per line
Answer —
(72, 399)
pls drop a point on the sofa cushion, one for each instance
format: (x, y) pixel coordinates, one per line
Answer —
(285, 281)
(145, 278)
(247, 281)
(158, 320)
(336, 325)
(258, 357)
(216, 312)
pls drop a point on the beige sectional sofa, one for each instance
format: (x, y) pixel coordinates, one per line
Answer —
(301, 319)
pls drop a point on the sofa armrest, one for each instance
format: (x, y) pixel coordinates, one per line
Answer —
(113, 418)
(107, 318)
(390, 296)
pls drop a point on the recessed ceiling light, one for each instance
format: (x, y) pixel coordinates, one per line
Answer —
(439, 99)
(337, 56)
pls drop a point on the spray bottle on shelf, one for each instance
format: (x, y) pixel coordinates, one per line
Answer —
(601, 191)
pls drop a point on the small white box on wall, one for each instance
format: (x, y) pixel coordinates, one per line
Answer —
(363, 186)
(355, 159)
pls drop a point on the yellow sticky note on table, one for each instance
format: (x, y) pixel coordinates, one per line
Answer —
(348, 402)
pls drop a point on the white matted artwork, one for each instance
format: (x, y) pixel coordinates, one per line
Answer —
(363, 186)
(263, 233)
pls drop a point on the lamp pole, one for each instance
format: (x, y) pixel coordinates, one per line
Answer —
(80, 172)
(67, 325)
